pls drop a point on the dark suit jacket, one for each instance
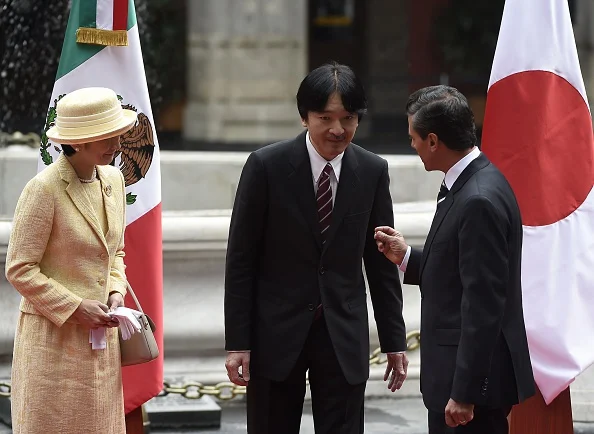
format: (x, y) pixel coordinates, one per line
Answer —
(277, 269)
(473, 339)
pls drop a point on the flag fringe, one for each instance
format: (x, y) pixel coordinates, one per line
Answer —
(86, 35)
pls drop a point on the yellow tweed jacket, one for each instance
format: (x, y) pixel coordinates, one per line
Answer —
(57, 253)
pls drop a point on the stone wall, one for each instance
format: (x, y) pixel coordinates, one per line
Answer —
(246, 59)
(208, 180)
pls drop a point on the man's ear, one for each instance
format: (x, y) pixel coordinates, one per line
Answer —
(433, 141)
(304, 122)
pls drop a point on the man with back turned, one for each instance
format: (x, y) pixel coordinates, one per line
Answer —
(474, 353)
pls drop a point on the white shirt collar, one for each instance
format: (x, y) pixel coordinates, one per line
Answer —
(318, 162)
(455, 171)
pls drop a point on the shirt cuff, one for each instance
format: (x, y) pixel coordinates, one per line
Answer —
(405, 260)
(398, 352)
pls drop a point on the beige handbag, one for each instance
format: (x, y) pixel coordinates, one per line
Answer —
(142, 346)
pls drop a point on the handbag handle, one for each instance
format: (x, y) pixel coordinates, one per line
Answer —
(134, 297)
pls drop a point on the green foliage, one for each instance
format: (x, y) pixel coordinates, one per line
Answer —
(31, 37)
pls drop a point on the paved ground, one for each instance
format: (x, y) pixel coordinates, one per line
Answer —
(397, 416)
(382, 416)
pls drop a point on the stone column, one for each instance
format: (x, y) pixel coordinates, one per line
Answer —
(246, 59)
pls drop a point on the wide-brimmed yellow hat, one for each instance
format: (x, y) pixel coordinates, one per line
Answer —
(90, 114)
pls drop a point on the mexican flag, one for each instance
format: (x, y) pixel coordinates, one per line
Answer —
(102, 48)
(538, 131)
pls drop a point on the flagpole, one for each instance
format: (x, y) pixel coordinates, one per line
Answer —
(533, 416)
(136, 421)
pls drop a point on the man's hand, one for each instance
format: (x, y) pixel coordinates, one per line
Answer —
(396, 370)
(391, 243)
(234, 361)
(458, 414)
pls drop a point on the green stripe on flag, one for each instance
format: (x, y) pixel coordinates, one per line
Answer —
(75, 54)
(87, 13)
(131, 15)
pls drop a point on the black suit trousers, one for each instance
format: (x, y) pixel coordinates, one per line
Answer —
(275, 407)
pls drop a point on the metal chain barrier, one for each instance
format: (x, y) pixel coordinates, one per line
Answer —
(226, 391)
(223, 391)
(5, 390)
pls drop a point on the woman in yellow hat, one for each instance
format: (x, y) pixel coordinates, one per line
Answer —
(65, 256)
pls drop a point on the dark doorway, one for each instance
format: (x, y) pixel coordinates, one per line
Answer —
(336, 31)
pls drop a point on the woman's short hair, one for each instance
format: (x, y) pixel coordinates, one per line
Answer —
(68, 150)
(444, 111)
(317, 87)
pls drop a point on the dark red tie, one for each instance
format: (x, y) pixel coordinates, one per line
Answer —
(324, 201)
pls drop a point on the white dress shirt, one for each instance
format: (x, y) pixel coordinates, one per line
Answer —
(317, 167)
(450, 178)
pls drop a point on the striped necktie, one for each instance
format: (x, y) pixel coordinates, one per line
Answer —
(443, 191)
(324, 200)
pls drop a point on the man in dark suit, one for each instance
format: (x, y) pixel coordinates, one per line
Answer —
(295, 295)
(474, 354)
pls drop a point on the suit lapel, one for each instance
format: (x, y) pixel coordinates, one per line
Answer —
(477, 164)
(301, 181)
(442, 210)
(78, 195)
(347, 186)
(108, 199)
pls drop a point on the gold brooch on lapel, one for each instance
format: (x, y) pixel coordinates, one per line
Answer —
(107, 190)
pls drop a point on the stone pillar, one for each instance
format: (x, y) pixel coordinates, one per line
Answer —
(246, 59)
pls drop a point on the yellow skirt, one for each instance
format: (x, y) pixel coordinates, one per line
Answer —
(60, 385)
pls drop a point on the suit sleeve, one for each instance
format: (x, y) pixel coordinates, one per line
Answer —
(245, 240)
(484, 272)
(413, 268)
(31, 230)
(118, 268)
(382, 275)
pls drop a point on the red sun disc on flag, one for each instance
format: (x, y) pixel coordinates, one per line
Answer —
(538, 132)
